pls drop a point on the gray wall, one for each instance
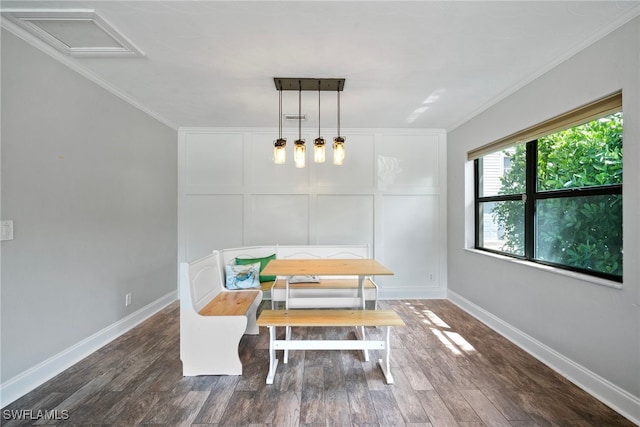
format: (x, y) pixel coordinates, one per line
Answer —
(594, 326)
(90, 183)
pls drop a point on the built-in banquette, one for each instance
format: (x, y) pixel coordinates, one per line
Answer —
(213, 317)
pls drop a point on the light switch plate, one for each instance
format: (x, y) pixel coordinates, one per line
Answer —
(6, 228)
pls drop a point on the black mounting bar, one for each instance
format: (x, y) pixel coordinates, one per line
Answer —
(298, 83)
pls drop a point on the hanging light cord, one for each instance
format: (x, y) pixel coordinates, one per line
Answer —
(338, 109)
(300, 110)
(280, 113)
(318, 108)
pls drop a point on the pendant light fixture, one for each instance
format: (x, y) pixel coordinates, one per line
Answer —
(299, 153)
(338, 141)
(318, 143)
(279, 152)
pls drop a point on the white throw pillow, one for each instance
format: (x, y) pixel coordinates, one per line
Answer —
(242, 276)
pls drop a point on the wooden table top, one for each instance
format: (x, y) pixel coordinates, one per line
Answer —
(325, 267)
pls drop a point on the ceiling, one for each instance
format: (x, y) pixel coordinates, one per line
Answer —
(416, 64)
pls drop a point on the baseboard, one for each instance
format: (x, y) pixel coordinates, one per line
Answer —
(28, 380)
(620, 400)
(412, 292)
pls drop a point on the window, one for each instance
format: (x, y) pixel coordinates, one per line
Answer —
(556, 199)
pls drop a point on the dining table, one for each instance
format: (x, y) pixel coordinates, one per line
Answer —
(327, 267)
(323, 267)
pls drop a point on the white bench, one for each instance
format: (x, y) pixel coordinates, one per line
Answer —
(213, 319)
(330, 291)
(329, 318)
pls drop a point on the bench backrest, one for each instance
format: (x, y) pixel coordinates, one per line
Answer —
(229, 255)
(204, 277)
(323, 252)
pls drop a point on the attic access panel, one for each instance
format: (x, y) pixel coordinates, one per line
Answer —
(296, 83)
(76, 32)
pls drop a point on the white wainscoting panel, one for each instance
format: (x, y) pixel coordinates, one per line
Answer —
(213, 219)
(409, 162)
(214, 160)
(279, 219)
(344, 219)
(411, 242)
(390, 194)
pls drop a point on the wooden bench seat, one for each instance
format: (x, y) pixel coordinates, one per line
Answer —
(327, 293)
(230, 304)
(328, 318)
(326, 284)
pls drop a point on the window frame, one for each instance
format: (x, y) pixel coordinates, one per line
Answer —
(530, 198)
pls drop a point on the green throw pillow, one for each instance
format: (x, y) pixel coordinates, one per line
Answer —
(263, 263)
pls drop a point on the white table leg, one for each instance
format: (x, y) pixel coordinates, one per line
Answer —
(273, 362)
(285, 358)
(363, 303)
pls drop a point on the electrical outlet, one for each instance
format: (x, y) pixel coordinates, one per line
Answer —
(127, 299)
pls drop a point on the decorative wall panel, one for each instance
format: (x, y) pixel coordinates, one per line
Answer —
(411, 241)
(358, 170)
(409, 161)
(281, 219)
(344, 219)
(389, 194)
(214, 160)
(212, 222)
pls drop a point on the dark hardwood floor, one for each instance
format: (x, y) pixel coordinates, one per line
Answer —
(449, 369)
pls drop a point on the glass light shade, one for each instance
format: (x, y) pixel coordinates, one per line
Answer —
(318, 150)
(299, 154)
(338, 150)
(279, 153)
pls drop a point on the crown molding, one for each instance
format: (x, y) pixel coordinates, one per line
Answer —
(73, 65)
(583, 44)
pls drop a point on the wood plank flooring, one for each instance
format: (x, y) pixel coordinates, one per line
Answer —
(449, 370)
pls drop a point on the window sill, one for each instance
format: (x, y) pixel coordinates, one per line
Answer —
(572, 274)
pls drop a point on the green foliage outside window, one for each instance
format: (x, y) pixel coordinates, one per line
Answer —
(583, 230)
(583, 156)
(509, 216)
